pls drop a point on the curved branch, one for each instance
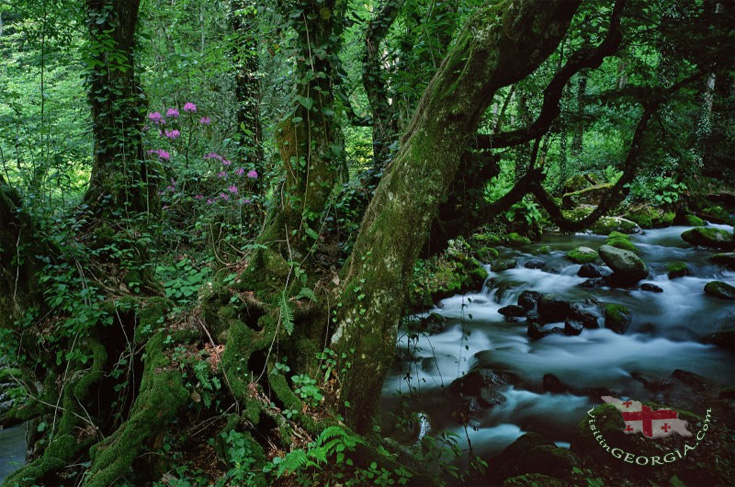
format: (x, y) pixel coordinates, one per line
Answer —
(588, 58)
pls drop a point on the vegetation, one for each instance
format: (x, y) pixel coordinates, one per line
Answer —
(214, 215)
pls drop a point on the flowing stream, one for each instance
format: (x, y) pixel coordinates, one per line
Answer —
(12, 450)
(665, 334)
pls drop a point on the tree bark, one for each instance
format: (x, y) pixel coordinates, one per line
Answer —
(500, 45)
(121, 177)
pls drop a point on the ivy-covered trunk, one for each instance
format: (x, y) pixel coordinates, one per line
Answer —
(121, 177)
(500, 45)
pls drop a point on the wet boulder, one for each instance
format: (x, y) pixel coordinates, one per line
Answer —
(532, 453)
(617, 318)
(536, 330)
(714, 238)
(653, 384)
(573, 328)
(552, 383)
(582, 255)
(501, 265)
(719, 289)
(553, 308)
(589, 270)
(513, 311)
(609, 224)
(627, 267)
(529, 299)
(586, 318)
(483, 386)
(691, 379)
(486, 254)
(726, 260)
(651, 288)
(677, 269)
(535, 264)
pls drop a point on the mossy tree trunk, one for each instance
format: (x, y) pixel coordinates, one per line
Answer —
(121, 177)
(500, 45)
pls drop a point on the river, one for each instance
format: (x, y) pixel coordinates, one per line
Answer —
(665, 335)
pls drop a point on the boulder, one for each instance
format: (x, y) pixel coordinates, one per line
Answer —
(512, 310)
(608, 224)
(544, 250)
(689, 220)
(677, 269)
(653, 384)
(621, 243)
(726, 260)
(535, 264)
(589, 270)
(626, 266)
(691, 379)
(528, 299)
(501, 265)
(486, 254)
(582, 255)
(552, 383)
(572, 328)
(514, 239)
(651, 288)
(585, 318)
(533, 454)
(720, 290)
(617, 318)
(553, 308)
(714, 238)
(484, 385)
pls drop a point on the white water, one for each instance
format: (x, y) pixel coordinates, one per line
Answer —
(664, 336)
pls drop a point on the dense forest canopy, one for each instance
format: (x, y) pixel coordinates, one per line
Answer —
(215, 215)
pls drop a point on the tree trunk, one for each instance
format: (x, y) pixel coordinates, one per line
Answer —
(121, 177)
(500, 45)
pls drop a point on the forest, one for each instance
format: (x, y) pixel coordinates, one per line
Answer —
(367, 242)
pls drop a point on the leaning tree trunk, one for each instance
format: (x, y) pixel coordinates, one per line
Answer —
(500, 45)
(121, 178)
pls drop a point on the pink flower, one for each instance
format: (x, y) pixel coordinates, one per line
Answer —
(189, 107)
(225, 162)
(239, 171)
(199, 197)
(232, 189)
(253, 174)
(223, 174)
(224, 196)
(156, 118)
(162, 154)
(210, 201)
(205, 120)
(172, 112)
(245, 201)
(173, 134)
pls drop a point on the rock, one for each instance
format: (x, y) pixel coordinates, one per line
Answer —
(512, 310)
(726, 260)
(486, 254)
(432, 324)
(627, 266)
(727, 393)
(617, 318)
(487, 238)
(622, 243)
(651, 383)
(677, 269)
(573, 328)
(691, 379)
(714, 238)
(533, 454)
(689, 221)
(608, 224)
(582, 255)
(503, 265)
(483, 384)
(514, 239)
(536, 331)
(651, 288)
(720, 290)
(716, 214)
(528, 299)
(553, 308)
(534, 480)
(591, 283)
(551, 383)
(585, 318)
(544, 250)
(535, 264)
(589, 270)
(650, 217)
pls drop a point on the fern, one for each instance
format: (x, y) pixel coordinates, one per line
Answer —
(293, 462)
(286, 314)
(306, 293)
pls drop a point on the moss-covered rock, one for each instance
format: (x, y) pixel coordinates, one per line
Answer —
(501, 265)
(717, 214)
(677, 269)
(534, 454)
(535, 480)
(609, 224)
(627, 267)
(544, 250)
(486, 254)
(582, 255)
(726, 259)
(515, 239)
(693, 221)
(720, 290)
(617, 318)
(714, 238)
(622, 243)
(488, 238)
(650, 217)
(591, 195)
(452, 272)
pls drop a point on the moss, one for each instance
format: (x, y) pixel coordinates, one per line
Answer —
(544, 250)
(693, 221)
(709, 237)
(486, 254)
(534, 480)
(609, 224)
(726, 259)
(617, 234)
(579, 256)
(622, 243)
(720, 290)
(617, 317)
(487, 238)
(677, 269)
(514, 239)
(650, 217)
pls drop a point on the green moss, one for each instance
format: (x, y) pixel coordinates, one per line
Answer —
(534, 480)
(617, 317)
(609, 224)
(677, 269)
(650, 217)
(544, 250)
(486, 254)
(693, 221)
(617, 234)
(709, 237)
(726, 259)
(622, 243)
(514, 239)
(487, 238)
(720, 290)
(582, 257)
